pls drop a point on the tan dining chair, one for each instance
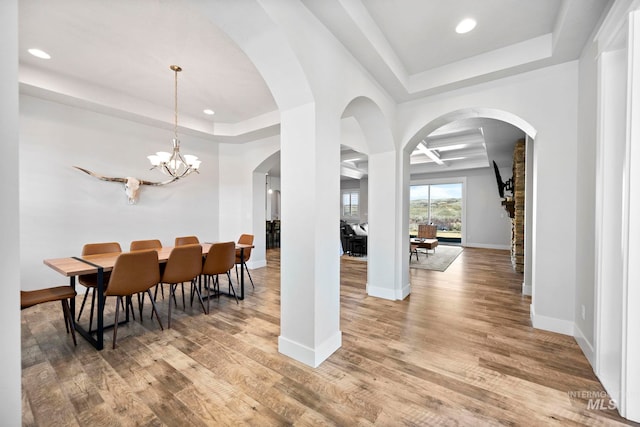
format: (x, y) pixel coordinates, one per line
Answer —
(186, 240)
(245, 239)
(133, 273)
(90, 281)
(184, 265)
(57, 293)
(138, 245)
(220, 260)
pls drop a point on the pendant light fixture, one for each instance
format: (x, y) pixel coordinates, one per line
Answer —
(175, 164)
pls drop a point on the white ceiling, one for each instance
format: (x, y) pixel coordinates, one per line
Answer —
(115, 55)
(420, 32)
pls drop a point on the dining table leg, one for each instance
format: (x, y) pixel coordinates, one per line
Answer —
(98, 341)
(241, 274)
(101, 298)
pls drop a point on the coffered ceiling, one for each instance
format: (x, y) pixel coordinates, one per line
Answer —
(114, 57)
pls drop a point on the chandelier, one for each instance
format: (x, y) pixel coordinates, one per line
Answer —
(175, 164)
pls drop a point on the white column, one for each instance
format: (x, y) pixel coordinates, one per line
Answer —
(383, 239)
(10, 399)
(310, 240)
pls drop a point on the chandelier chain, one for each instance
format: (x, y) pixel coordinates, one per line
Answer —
(175, 100)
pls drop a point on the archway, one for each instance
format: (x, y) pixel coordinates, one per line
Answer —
(460, 120)
(260, 202)
(382, 219)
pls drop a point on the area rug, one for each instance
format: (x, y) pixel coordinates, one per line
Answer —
(439, 261)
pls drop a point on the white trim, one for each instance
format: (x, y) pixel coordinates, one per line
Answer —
(629, 404)
(309, 356)
(551, 324)
(404, 292)
(384, 293)
(585, 345)
(615, 24)
(486, 246)
(527, 289)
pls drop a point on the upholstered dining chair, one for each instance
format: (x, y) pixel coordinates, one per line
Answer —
(184, 265)
(90, 281)
(220, 260)
(245, 239)
(57, 293)
(133, 273)
(139, 245)
(186, 240)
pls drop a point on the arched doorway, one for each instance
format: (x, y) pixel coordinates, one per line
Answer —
(476, 139)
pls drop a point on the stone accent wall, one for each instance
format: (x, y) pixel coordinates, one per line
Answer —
(517, 222)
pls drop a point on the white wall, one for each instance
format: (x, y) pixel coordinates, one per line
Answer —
(10, 352)
(487, 222)
(62, 208)
(238, 195)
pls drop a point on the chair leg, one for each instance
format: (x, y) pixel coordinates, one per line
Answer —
(140, 304)
(249, 273)
(208, 288)
(84, 299)
(231, 288)
(197, 291)
(172, 292)
(115, 323)
(154, 309)
(68, 320)
(129, 307)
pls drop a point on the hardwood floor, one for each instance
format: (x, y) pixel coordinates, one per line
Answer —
(460, 350)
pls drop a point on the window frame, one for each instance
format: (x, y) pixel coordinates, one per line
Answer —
(350, 193)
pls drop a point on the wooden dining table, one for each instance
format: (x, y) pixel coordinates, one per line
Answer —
(99, 264)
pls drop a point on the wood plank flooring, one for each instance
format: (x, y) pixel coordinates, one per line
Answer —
(460, 350)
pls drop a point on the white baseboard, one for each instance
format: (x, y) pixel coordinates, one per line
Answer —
(390, 294)
(527, 289)
(551, 324)
(404, 292)
(383, 293)
(487, 246)
(585, 346)
(310, 356)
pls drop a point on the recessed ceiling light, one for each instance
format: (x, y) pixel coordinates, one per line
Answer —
(39, 53)
(466, 25)
(209, 112)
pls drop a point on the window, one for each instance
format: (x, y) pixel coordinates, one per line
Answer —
(350, 204)
(438, 204)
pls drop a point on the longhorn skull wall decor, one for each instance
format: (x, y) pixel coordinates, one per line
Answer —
(131, 184)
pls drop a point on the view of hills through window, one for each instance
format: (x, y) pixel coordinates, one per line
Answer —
(437, 204)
